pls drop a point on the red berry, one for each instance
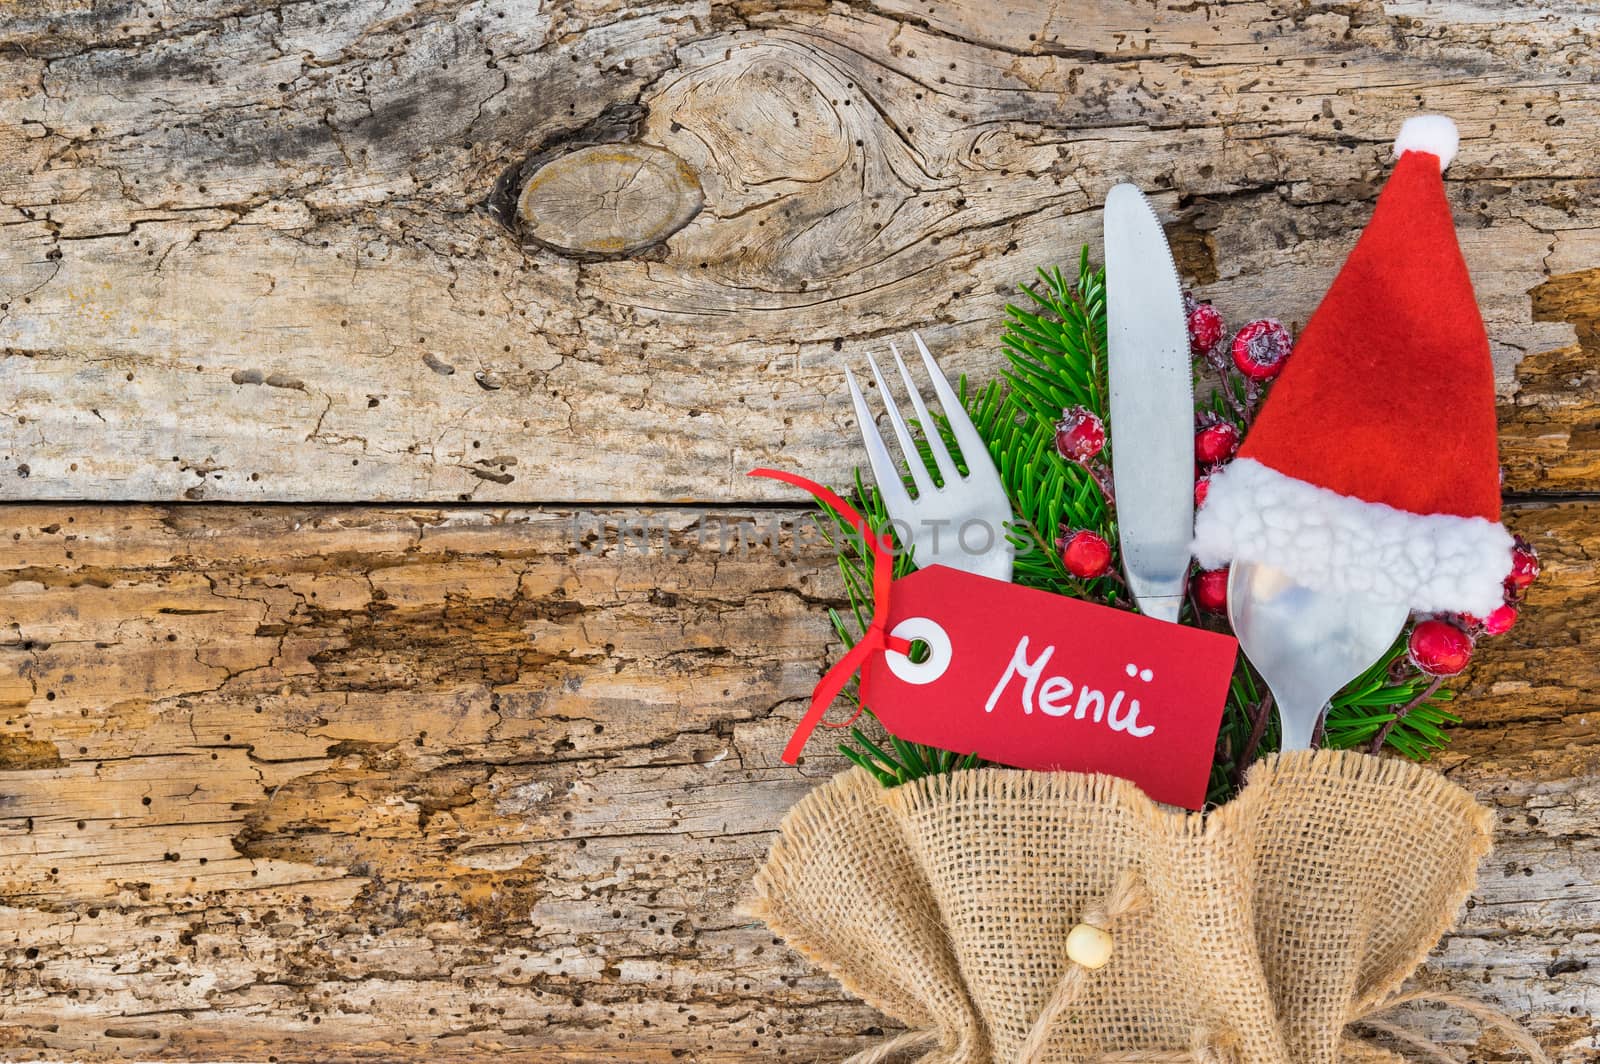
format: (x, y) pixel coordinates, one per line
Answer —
(1202, 488)
(1524, 566)
(1500, 620)
(1439, 648)
(1260, 349)
(1086, 555)
(1205, 328)
(1216, 443)
(1080, 434)
(1211, 589)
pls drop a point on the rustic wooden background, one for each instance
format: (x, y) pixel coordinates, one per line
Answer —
(322, 736)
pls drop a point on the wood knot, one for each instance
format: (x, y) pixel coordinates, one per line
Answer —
(609, 199)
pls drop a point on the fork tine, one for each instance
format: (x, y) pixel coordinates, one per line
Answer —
(884, 470)
(908, 446)
(930, 428)
(973, 449)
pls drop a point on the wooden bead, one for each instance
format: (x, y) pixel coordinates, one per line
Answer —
(1089, 946)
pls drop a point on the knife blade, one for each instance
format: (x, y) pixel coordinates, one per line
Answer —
(1151, 404)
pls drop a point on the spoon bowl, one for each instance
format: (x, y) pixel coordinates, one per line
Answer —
(1306, 644)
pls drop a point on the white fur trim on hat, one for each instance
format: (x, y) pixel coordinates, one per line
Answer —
(1434, 134)
(1434, 563)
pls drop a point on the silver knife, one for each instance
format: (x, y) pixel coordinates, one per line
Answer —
(1152, 404)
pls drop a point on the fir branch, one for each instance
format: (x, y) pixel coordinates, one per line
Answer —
(1259, 714)
(1368, 703)
(1403, 712)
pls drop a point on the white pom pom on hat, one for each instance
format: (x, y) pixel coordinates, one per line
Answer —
(1434, 134)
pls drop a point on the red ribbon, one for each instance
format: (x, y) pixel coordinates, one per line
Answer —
(875, 638)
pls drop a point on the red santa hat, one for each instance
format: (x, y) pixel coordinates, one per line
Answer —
(1372, 466)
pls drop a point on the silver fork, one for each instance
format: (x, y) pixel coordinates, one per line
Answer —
(962, 524)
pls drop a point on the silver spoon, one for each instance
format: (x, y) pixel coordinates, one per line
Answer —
(1306, 644)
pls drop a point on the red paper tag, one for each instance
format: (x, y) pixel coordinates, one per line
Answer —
(1040, 681)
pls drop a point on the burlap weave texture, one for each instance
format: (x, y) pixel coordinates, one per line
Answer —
(1267, 926)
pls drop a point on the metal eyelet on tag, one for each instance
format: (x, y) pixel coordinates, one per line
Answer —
(939, 651)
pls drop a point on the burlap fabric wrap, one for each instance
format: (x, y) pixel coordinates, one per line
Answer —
(1258, 933)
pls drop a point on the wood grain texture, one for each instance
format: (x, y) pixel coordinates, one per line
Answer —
(608, 199)
(338, 784)
(436, 772)
(271, 251)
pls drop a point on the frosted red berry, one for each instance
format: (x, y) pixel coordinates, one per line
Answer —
(1086, 555)
(1205, 328)
(1524, 566)
(1210, 588)
(1080, 434)
(1500, 620)
(1261, 348)
(1216, 443)
(1439, 648)
(1202, 488)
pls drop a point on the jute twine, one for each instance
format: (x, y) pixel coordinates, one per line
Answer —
(1126, 897)
(1255, 935)
(1207, 1049)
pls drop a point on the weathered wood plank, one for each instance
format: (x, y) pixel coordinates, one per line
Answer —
(340, 784)
(336, 784)
(268, 251)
